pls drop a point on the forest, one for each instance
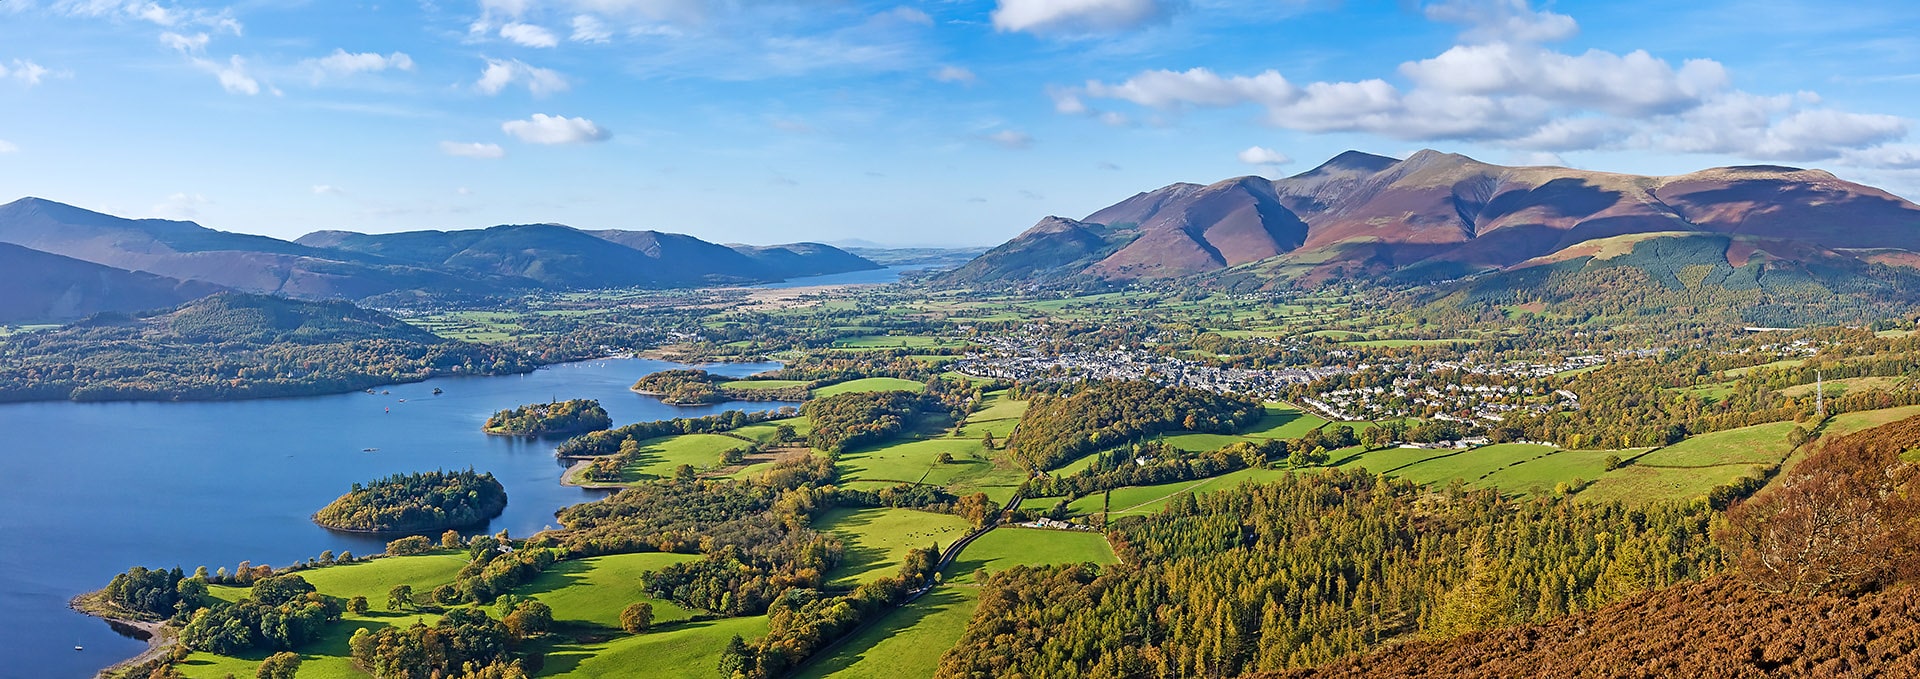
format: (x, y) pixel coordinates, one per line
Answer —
(1060, 427)
(417, 503)
(1316, 567)
(559, 418)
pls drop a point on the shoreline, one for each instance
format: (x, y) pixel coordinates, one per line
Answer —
(160, 641)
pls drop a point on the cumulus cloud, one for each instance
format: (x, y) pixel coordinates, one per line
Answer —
(1886, 157)
(1078, 16)
(587, 28)
(342, 63)
(529, 35)
(233, 75)
(1011, 139)
(546, 129)
(474, 149)
(1261, 155)
(955, 74)
(499, 74)
(1503, 20)
(26, 72)
(1511, 91)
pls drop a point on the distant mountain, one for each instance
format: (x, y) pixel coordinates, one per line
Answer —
(1437, 216)
(795, 260)
(188, 251)
(42, 287)
(342, 264)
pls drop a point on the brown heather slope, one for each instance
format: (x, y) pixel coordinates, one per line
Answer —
(1439, 215)
(1719, 628)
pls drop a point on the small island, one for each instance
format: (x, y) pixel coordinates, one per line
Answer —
(417, 503)
(693, 387)
(561, 418)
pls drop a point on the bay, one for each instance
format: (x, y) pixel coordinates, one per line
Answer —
(90, 489)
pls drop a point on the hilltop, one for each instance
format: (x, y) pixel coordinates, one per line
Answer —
(1437, 216)
(501, 260)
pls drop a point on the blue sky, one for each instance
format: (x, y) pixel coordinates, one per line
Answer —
(933, 122)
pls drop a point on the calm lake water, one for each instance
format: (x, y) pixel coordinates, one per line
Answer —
(90, 489)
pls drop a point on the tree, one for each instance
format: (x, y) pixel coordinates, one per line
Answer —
(401, 596)
(683, 473)
(530, 619)
(1828, 527)
(410, 545)
(988, 442)
(735, 659)
(450, 539)
(357, 605)
(446, 595)
(282, 665)
(637, 617)
(943, 458)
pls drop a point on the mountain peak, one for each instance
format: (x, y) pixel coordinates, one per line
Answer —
(1350, 163)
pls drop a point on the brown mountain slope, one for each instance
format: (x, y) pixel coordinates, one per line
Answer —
(1719, 628)
(1438, 215)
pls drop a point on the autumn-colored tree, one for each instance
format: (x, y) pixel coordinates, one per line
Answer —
(282, 665)
(637, 617)
(1843, 521)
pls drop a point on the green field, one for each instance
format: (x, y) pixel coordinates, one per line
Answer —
(1541, 475)
(1760, 444)
(896, 342)
(326, 658)
(908, 643)
(686, 651)
(1635, 484)
(1281, 421)
(1150, 499)
(764, 431)
(1470, 465)
(878, 540)
(659, 457)
(1849, 423)
(593, 591)
(869, 384)
(916, 461)
(1411, 342)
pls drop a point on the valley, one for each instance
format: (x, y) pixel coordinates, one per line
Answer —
(969, 475)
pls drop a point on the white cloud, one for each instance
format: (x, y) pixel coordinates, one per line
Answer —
(1078, 16)
(342, 63)
(1261, 155)
(1530, 98)
(8, 147)
(1197, 87)
(26, 72)
(1503, 20)
(546, 129)
(1011, 139)
(328, 190)
(181, 206)
(1536, 158)
(481, 150)
(587, 28)
(528, 35)
(499, 74)
(232, 74)
(955, 74)
(148, 11)
(189, 44)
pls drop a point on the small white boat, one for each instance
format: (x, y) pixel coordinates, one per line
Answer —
(78, 648)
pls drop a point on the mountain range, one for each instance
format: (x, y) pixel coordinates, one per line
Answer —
(1438, 216)
(67, 262)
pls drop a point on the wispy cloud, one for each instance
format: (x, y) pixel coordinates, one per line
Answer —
(550, 130)
(474, 149)
(501, 73)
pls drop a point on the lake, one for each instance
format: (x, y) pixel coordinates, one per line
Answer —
(94, 488)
